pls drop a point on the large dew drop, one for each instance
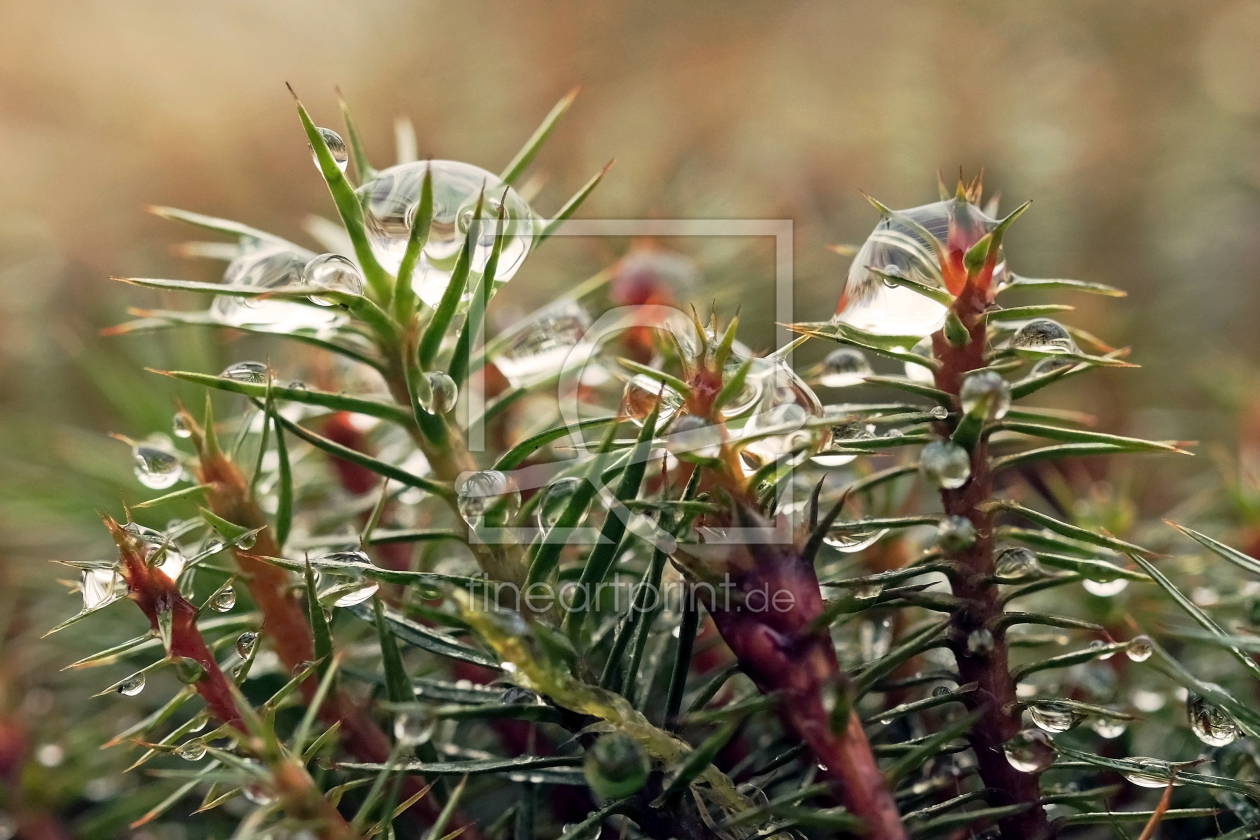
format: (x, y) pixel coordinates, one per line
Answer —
(1043, 336)
(640, 396)
(786, 403)
(1140, 647)
(555, 499)
(253, 373)
(132, 686)
(955, 534)
(270, 268)
(334, 273)
(389, 206)
(1030, 751)
(245, 644)
(100, 586)
(540, 348)
(1211, 724)
(986, 392)
(155, 467)
(487, 493)
(336, 146)
(848, 541)
(1105, 588)
(1054, 717)
(193, 750)
(443, 392)
(357, 596)
(413, 728)
(1016, 564)
(224, 601)
(1149, 773)
(843, 368)
(945, 464)
(616, 766)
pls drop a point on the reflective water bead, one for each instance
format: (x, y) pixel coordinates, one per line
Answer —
(1016, 564)
(156, 468)
(555, 499)
(1140, 648)
(255, 373)
(850, 430)
(188, 670)
(131, 686)
(100, 586)
(1054, 717)
(179, 428)
(487, 491)
(916, 372)
(1105, 588)
(1108, 727)
(270, 268)
(357, 596)
(570, 831)
(389, 204)
(352, 557)
(640, 397)
(1049, 365)
(245, 644)
(515, 695)
(940, 691)
(785, 401)
(415, 727)
(843, 368)
(1211, 724)
(1099, 644)
(694, 438)
(259, 795)
(224, 600)
(616, 766)
(980, 642)
(246, 540)
(193, 750)
(849, 541)
(987, 389)
(334, 273)
(336, 147)
(945, 464)
(955, 534)
(1030, 751)
(541, 348)
(302, 667)
(1149, 773)
(1043, 336)
(444, 392)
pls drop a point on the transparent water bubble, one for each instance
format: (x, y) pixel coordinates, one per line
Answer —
(1043, 336)
(846, 540)
(131, 686)
(414, 727)
(555, 498)
(570, 831)
(357, 596)
(179, 428)
(224, 600)
(640, 396)
(980, 642)
(1099, 644)
(334, 273)
(945, 464)
(875, 639)
(245, 644)
(785, 401)
(482, 492)
(851, 429)
(1140, 648)
(338, 558)
(1149, 773)
(616, 766)
(919, 373)
(302, 667)
(155, 467)
(1054, 717)
(1016, 564)
(1105, 588)
(1030, 751)
(541, 348)
(444, 392)
(868, 592)
(336, 146)
(270, 268)
(389, 204)
(100, 586)
(246, 540)
(255, 373)
(1049, 365)
(940, 691)
(986, 388)
(694, 438)
(898, 247)
(1210, 723)
(515, 695)
(1108, 727)
(843, 368)
(259, 795)
(955, 534)
(193, 750)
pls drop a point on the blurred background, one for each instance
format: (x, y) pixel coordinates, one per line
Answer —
(1133, 126)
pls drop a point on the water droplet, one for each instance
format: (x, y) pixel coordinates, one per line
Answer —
(245, 644)
(1099, 644)
(849, 541)
(1211, 724)
(131, 686)
(334, 273)
(444, 392)
(543, 346)
(555, 498)
(955, 534)
(188, 670)
(868, 592)
(100, 586)
(616, 766)
(785, 402)
(570, 831)
(980, 642)
(156, 468)
(1030, 751)
(640, 396)
(1156, 775)
(938, 412)
(224, 600)
(1044, 336)
(270, 268)
(352, 557)
(193, 750)
(945, 464)
(1107, 588)
(694, 438)
(843, 368)
(515, 695)
(389, 206)
(1108, 727)
(488, 493)
(940, 691)
(259, 795)
(1140, 648)
(246, 540)
(415, 727)
(255, 373)
(357, 596)
(986, 391)
(1016, 564)
(302, 667)
(875, 639)
(1054, 717)
(179, 428)
(513, 624)
(336, 146)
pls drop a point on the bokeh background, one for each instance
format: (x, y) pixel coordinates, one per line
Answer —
(1134, 126)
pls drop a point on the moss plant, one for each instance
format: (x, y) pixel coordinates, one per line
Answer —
(549, 583)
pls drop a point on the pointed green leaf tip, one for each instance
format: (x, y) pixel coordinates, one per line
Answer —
(535, 143)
